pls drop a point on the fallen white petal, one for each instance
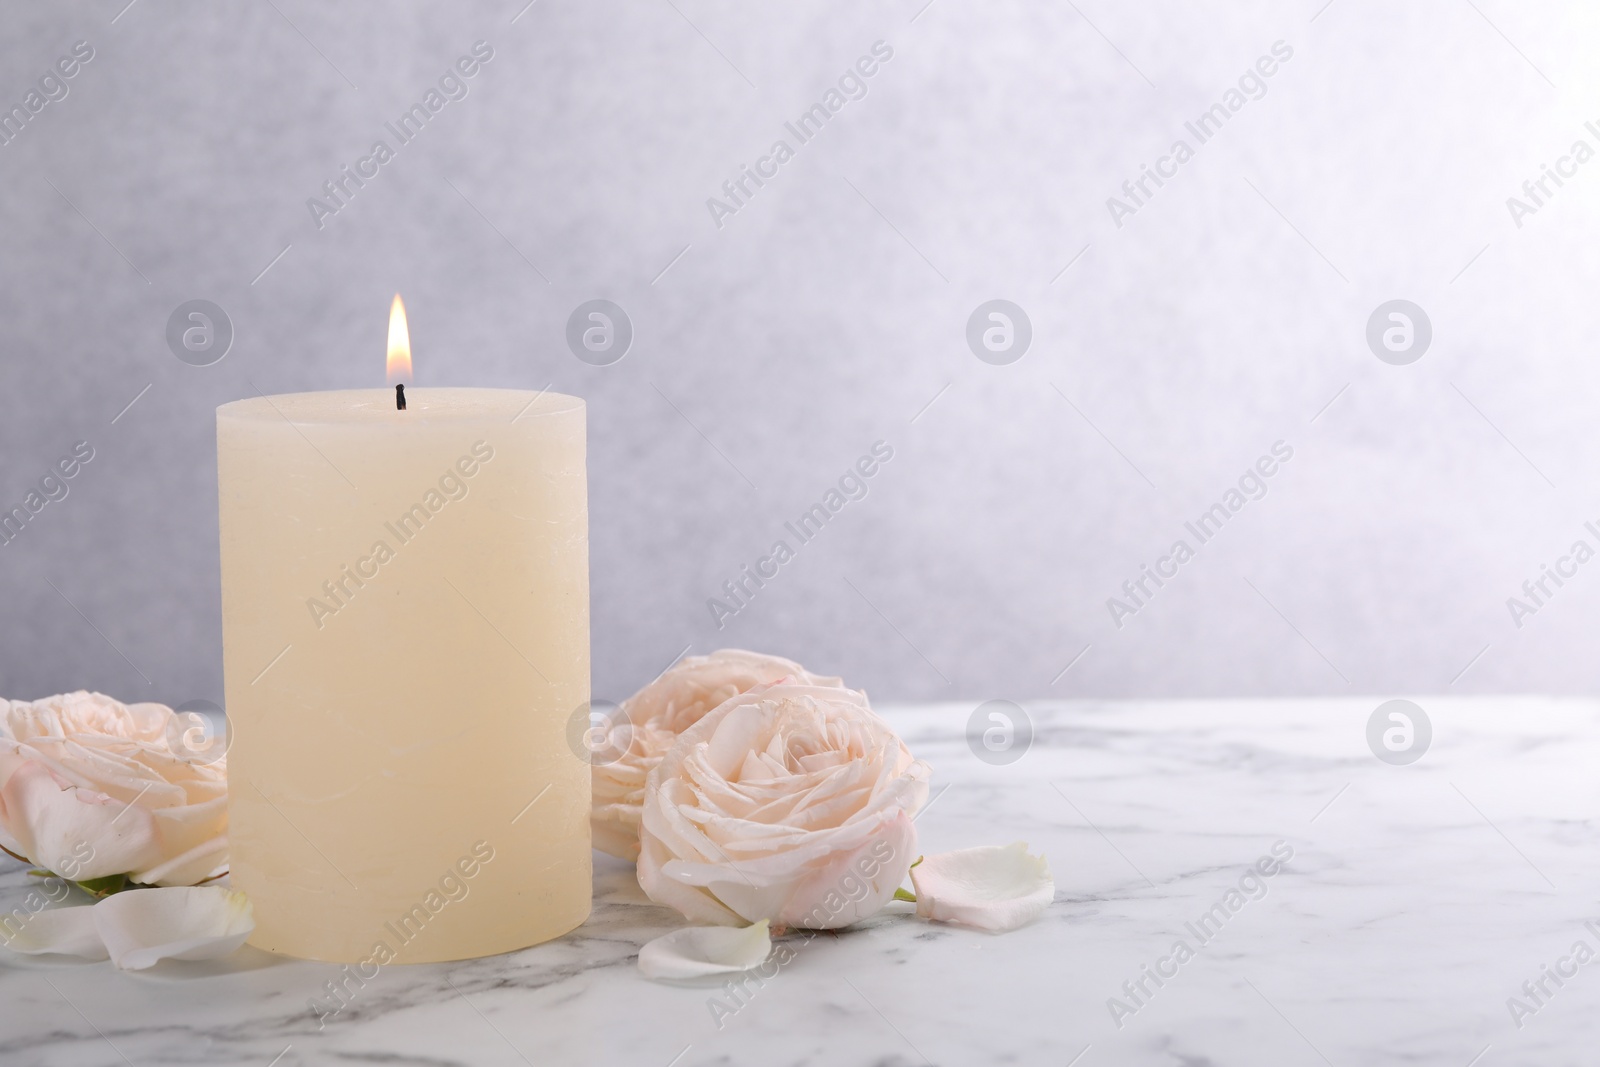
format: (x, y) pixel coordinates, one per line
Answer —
(696, 951)
(141, 926)
(61, 931)
(994, 887)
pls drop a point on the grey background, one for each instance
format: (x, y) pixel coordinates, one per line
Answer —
(1229, 313)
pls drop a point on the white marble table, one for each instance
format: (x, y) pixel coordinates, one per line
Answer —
(1418, 900)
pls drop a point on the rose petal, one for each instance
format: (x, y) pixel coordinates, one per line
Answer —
(74, 832)
(141, 926)
(696, 951)
(204, 861)
(838, 894)
(61, 931)
(995, 887)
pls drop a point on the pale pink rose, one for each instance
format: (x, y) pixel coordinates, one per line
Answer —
(651, 720)
(790, 803)
(91, 787)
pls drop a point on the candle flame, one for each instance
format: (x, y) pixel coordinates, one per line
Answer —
(399, 367)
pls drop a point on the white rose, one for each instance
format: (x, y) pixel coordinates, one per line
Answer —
(91, 787)
(651, 720)
(790, 803)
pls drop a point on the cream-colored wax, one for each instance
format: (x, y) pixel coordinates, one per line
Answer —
(406, 637)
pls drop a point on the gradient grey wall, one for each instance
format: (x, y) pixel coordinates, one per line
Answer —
(1229, 312)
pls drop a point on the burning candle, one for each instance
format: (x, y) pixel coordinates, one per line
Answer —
(405, 640)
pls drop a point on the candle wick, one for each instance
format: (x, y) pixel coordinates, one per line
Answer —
(399, 397)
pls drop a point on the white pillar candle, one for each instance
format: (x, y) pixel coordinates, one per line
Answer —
(406, 637)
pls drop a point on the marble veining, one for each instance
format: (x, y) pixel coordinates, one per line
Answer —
(1417, 903)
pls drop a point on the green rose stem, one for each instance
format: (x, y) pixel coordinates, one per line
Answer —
(103, 886)
(906, 894)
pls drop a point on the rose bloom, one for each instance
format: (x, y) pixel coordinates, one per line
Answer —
(91, 787)
(790, 803)
(651, 721)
